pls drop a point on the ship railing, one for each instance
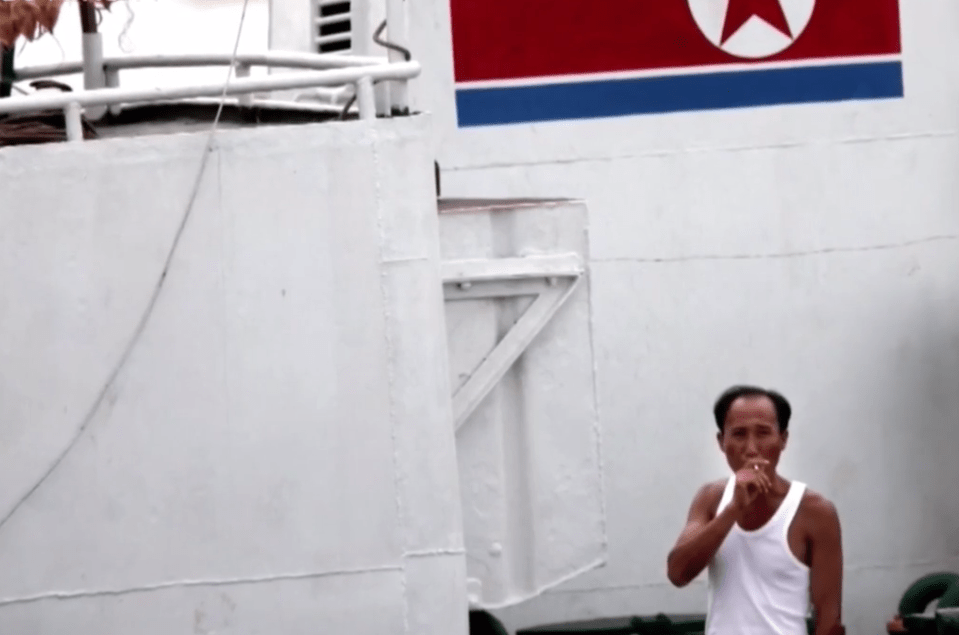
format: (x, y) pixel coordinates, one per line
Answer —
(312, 70)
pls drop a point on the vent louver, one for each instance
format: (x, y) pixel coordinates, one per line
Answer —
(332, 26)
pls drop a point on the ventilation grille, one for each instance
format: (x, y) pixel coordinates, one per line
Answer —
(332, 26)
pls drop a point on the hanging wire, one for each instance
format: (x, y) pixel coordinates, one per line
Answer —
(387, 44)
(123, 40)
(151, 305)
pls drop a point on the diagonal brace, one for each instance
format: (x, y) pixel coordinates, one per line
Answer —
(557, 278)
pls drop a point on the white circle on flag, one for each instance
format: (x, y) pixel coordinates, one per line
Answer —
(756, 38)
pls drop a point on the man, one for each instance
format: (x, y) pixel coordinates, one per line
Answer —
(771, 545)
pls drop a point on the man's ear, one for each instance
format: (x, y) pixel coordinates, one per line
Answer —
(719, 439)
(785, 435)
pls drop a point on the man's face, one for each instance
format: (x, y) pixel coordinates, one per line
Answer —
(751, 432)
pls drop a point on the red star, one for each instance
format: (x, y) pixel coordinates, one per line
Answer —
(739, 11)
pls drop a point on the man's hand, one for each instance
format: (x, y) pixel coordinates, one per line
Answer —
(752, 481)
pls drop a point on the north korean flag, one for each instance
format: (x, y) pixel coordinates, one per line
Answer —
(541, 60)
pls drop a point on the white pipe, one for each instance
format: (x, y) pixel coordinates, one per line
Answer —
(112, 76)
(281, 59)
(243, 70)
(93, 73)
(339, 95)
(285, 81)
(275, 104)
(93, 76)
(71, 116)
(396, 34)
(315, 61)
(381, 92)
(365, 99)
(332, 109)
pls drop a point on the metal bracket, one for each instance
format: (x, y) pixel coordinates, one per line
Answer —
(551, 278)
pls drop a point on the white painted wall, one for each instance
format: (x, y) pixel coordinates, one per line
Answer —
(276, 453)
(809, 248)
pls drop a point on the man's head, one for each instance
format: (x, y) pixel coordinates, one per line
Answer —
(753, 423)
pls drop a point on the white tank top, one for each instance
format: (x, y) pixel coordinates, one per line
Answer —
(757, 586)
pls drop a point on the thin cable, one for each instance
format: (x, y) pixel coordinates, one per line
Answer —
(396, 47)
(376, 38)
(123, 40)
(158, 287)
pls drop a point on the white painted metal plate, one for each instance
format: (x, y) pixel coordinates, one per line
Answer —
(529, 453)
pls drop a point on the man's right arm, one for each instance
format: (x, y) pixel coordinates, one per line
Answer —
(702, 536)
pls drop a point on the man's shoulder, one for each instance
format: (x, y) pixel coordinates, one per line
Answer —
(713, 489)
(710, 494)
(817, 510)
(815, 503)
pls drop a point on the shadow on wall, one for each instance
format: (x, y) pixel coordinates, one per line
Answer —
(921, 441)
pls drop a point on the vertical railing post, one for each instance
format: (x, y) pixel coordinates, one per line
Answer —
(365, 99)
(112, 76)
(93, 74)
(243, 70)
(396, 33)
(71, 117)
(381, 92)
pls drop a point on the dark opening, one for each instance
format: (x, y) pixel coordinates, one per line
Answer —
(332, 47)
(335, 8)
(332, 28)
(338, 27)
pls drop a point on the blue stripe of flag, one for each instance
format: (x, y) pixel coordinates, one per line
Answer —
(676, 93)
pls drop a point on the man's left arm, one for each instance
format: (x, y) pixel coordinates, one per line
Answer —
(825, 570)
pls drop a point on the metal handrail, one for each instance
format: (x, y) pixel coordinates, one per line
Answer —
(321, 61)
(243, 85)
(362, 76)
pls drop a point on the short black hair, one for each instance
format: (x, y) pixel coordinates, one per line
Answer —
(780, 403)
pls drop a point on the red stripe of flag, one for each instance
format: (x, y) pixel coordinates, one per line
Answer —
(512, 39)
